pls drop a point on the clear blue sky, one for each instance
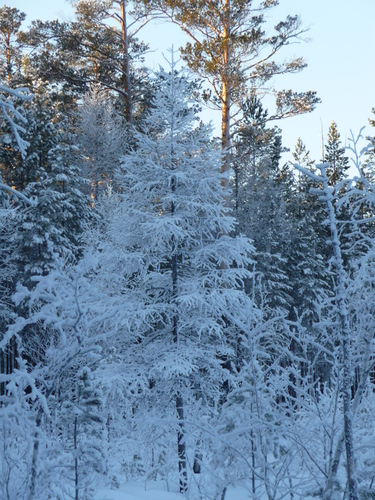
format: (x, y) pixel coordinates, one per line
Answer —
(340, 57)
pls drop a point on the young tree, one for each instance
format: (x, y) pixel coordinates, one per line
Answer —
(103, 138)
(168, 243)
(82, 423)
(67, 311)
(344, 331)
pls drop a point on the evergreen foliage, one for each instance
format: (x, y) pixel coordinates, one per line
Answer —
(335, 156)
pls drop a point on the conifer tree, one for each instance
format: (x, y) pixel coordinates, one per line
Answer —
(97, 47)
(231, 50)
(83, 433)
(10, 47)
(103, 137)
(335, 156)
(168, 244)
(260, 200)
(49, 175)
(308, 249)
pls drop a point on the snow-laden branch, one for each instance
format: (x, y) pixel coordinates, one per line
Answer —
(345, 333)
(11, 113)
(308, 173)
(16, 193)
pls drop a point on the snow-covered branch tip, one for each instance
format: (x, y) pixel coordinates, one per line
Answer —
(309, 174)
(353, 148)
(10, 113)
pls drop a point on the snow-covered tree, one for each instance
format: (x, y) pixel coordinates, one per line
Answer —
(68, 314)
(82, 428)
(49, 175)
(343, 332)
(168, 250)
(12, 115)
(103, 138)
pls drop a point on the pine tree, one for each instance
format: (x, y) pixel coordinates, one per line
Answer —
(335, 156)
(97, 47)
(231, 51)
(10, 46)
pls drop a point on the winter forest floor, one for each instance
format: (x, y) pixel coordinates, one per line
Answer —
(156, 490)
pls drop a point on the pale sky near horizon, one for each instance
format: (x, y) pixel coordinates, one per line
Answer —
(340, 66)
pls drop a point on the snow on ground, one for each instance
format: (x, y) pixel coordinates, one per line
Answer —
(138, 491)
(156, 491)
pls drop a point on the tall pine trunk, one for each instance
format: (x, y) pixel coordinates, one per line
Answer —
(226, 98)
(126, 65)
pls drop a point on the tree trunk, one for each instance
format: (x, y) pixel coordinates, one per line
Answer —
(35, 457)
(181, 445)
(225, 99)
(76, 475)
(126, 66)
(225, 131)
(345, 340)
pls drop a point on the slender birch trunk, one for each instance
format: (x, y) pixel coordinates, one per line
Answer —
(340, 292)
(345, 340)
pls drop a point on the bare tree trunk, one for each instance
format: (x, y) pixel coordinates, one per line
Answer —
(35, 457)
(181, 445)
(126, 66)
(76, 475)
(225, 131)
(225, 99)
(8, 58)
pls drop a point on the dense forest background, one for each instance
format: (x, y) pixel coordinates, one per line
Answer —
(176, 306)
